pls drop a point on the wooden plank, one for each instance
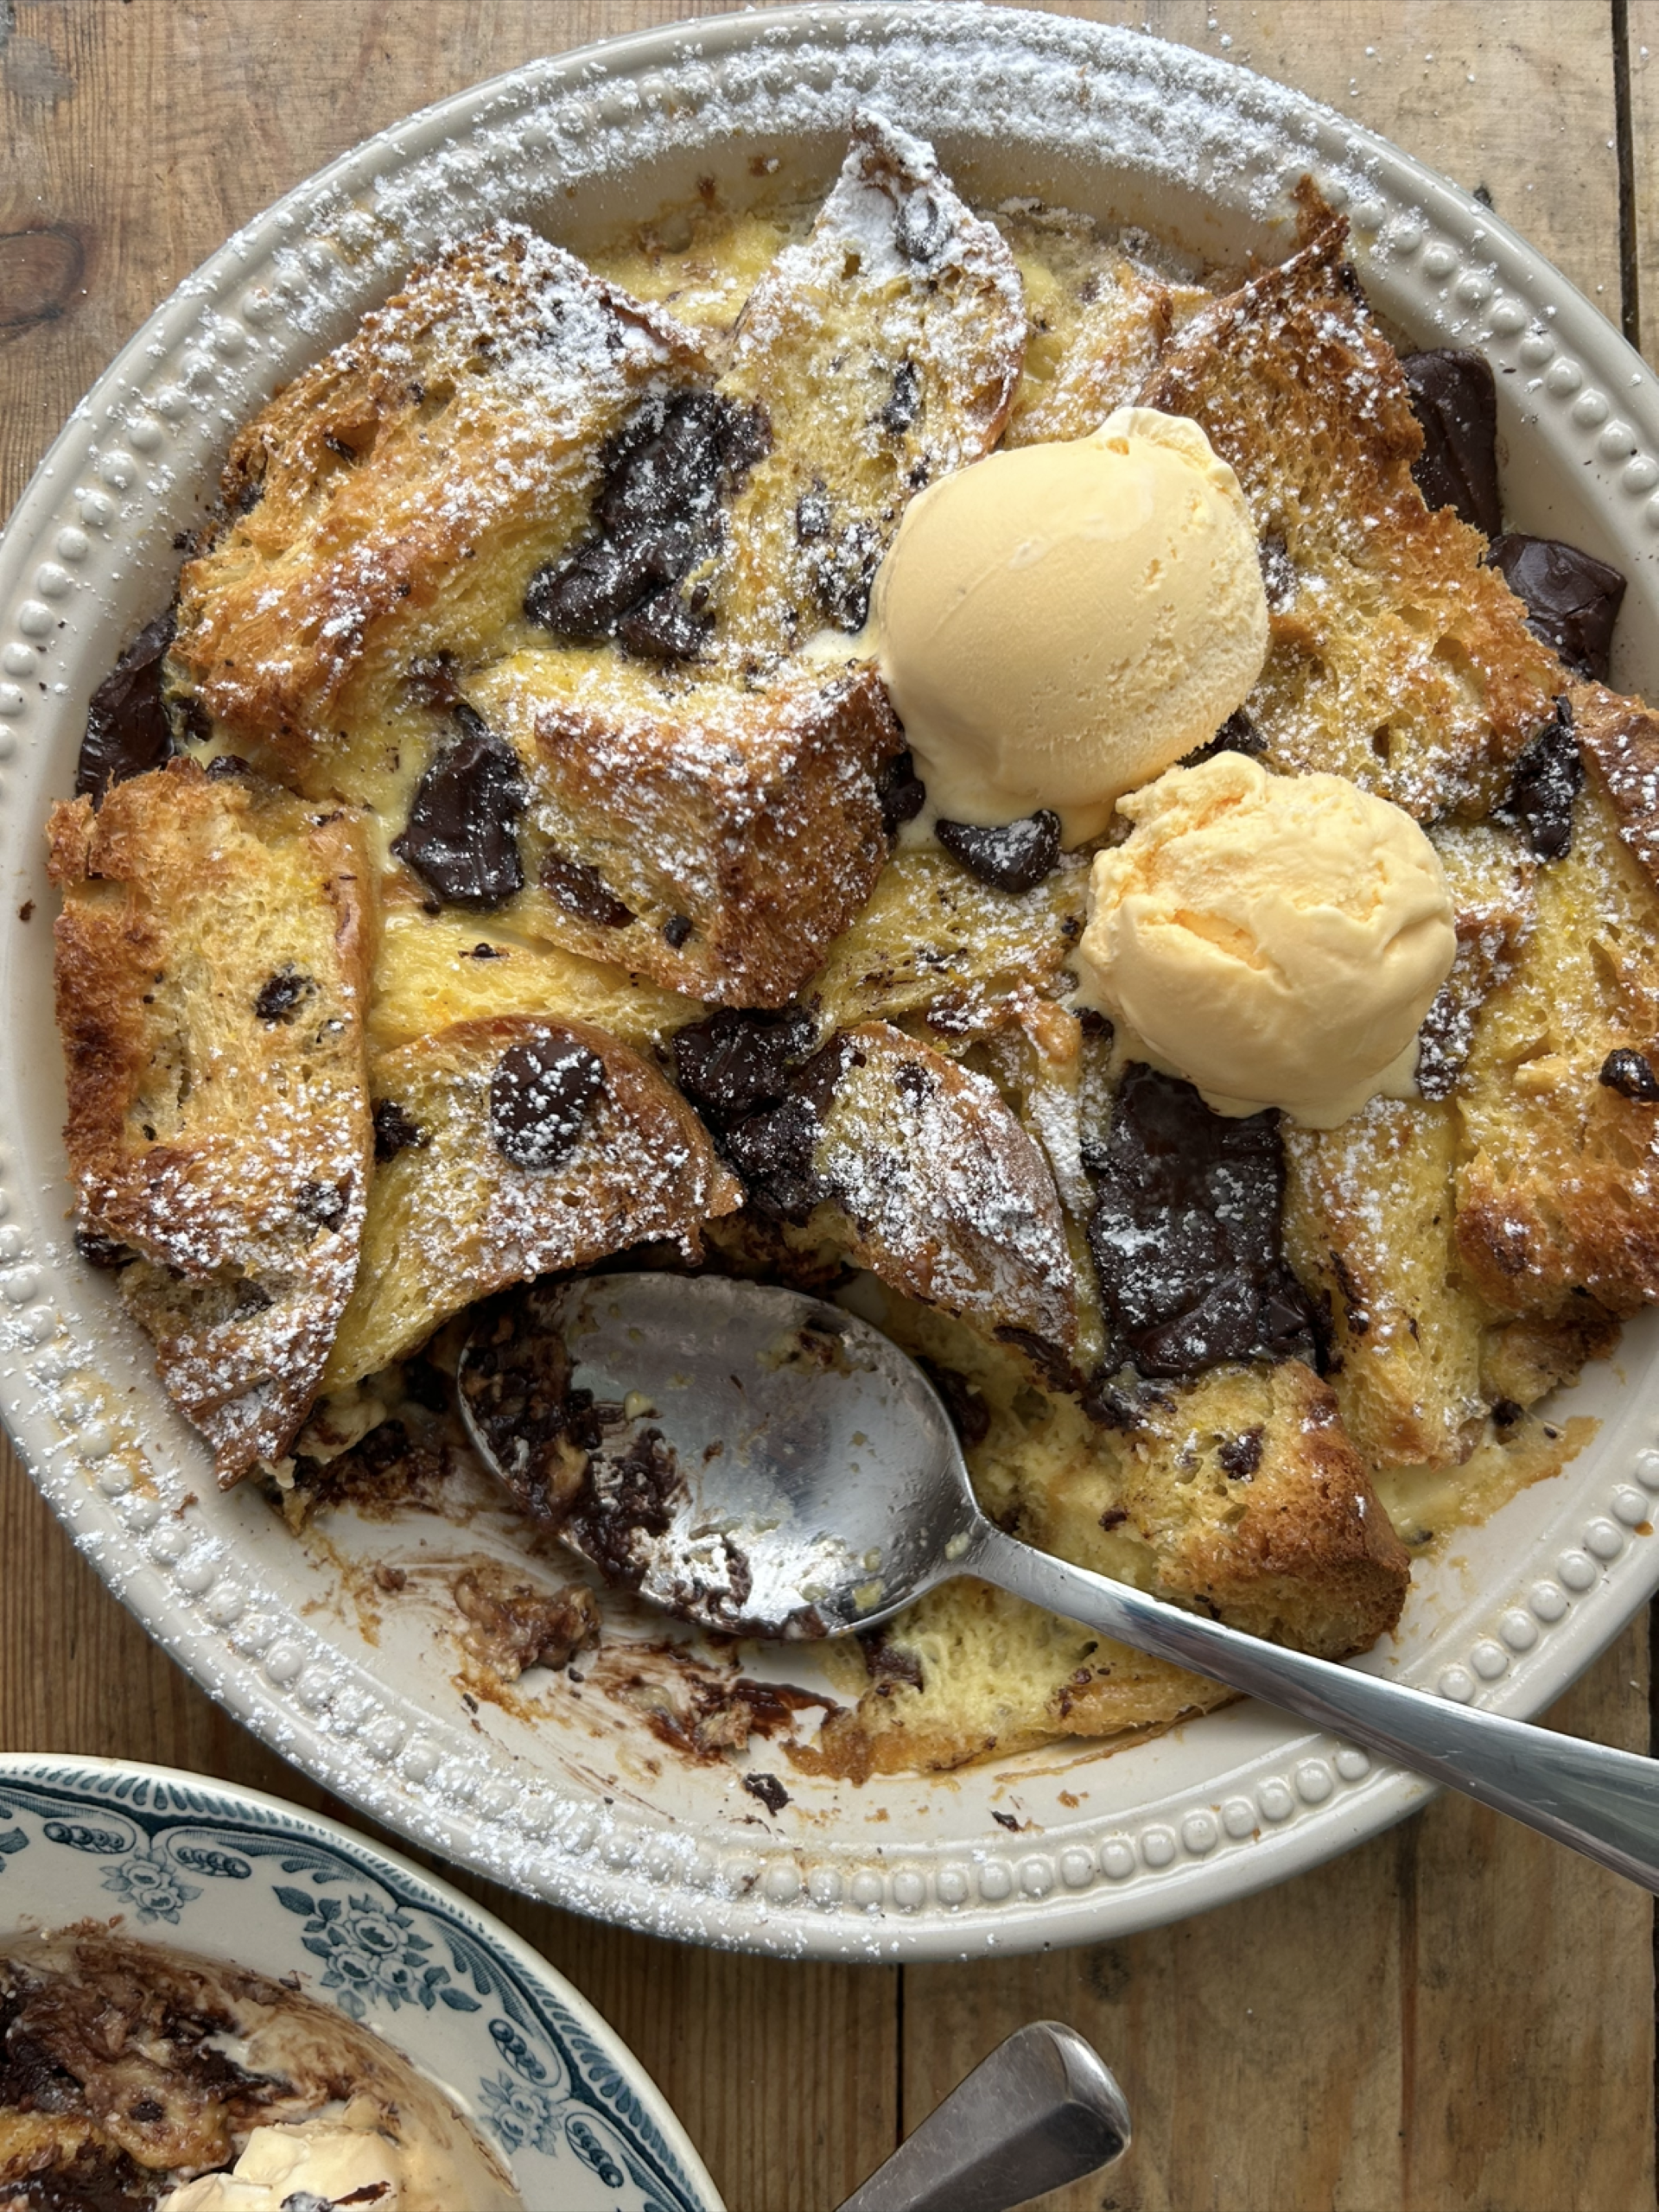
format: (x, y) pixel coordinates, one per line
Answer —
(1455, 2015)
(1644, 51)
(1456, 2018)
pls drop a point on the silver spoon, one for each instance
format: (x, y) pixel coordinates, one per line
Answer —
(769, 1465)
(1041, 2111)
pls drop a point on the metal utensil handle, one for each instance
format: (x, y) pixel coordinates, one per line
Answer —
(1040, 2111)
(1602, 1803)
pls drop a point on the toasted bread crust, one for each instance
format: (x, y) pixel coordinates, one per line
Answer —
(212, 968)
(452, 1219)
(1397, 659)
(886, 348)
(741, 831)
(455, 437)
(942, 1193)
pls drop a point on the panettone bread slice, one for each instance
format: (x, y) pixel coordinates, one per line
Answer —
(1397, 659)
(717, 840)
(1236, 1493)
(391, 504)
(886, 349)
(935, 941)
(510, 1147)
(880, 1151)
(212, 970)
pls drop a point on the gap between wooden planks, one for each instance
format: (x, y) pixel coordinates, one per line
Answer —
(1456, 2015)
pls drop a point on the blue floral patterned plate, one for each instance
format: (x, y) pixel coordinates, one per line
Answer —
(232, 1875)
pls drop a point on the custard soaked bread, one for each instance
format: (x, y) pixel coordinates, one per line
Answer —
(651, 966)
(214, 957)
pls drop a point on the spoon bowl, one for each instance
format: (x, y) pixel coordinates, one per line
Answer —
(766, 1464)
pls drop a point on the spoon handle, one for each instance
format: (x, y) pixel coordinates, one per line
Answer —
(1040, 2111)
(1602, 1803)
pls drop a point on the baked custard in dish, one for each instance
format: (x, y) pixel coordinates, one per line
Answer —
(506, 854)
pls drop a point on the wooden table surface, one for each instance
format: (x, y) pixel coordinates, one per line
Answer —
(1457, 2015)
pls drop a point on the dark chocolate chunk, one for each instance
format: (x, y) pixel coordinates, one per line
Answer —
(677, 929)
(1631, 1074)
(226, 767)
(283, 993)
(888, 1663)
(736, 1063)
(772, 1150)
(100, 1251)
(905, 402)
(462, 837)
(251, 1298)
(666, 477)
(1545, 783)
(1186, 1232)
(127, 727)
(767, 1787)
(902, 793)
(542, 1092)
(1571, 599)
(1443, 1042)
(1239, 1456)
(324, 1204)
(969, 1414)
(1279, 582)
(1454, 398)
(1014, 856)
(1238, 733)
(583, 891)
(394, 1130)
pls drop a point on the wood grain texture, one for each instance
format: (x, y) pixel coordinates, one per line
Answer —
(1456, 2015)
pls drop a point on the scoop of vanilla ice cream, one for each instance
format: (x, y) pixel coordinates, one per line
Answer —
(344, 2153)
(1277, 940)
(1059, 622)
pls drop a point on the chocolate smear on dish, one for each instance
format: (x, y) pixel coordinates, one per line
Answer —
(734, 1063)
(1185, 1233)
(128, 727)
(1571, 599)
(515, 1380)
(1454, 398)
(462, 837)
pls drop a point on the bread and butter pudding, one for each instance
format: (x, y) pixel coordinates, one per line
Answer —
(138, 2078)
(508, 852)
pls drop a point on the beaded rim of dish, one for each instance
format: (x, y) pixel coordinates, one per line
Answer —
(150, 434)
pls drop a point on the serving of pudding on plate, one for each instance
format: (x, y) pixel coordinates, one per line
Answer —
(944, 756)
